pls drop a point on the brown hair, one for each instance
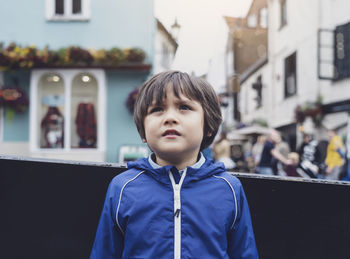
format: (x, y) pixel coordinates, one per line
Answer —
(194, 88)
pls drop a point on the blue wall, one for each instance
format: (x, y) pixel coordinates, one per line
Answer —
(17, 128)
(113, 23)
(121, 23)
(121, 129)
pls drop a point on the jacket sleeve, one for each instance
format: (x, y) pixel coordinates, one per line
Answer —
(109, 239)
(241, 240)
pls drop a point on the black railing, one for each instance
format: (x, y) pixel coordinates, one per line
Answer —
(50, 209)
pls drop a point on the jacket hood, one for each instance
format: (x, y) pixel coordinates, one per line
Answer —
(208, 169)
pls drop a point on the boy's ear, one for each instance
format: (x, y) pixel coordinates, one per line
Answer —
(209, 134)
(144, 140)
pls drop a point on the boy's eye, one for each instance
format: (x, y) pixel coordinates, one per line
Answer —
(156, 109)
(185, 107)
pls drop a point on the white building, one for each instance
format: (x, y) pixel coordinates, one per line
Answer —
(308, 56)
(165, 49)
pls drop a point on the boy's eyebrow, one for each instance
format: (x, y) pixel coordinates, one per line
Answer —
(181, 101)
(155, 103)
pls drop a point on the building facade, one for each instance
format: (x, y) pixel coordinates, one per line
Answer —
(165, 49)
(78, 106)
(305, 69)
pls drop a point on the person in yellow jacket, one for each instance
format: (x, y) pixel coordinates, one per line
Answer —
(334, 161)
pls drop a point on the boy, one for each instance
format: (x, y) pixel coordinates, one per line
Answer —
(175, 203)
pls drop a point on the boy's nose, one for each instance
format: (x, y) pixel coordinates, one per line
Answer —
(170, 118)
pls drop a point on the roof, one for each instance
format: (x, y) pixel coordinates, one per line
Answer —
(256, 5)
(171, 39)
(253, 68)
(235, 22)
(241, 22)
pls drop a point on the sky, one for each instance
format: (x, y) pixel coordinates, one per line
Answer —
(203, 31)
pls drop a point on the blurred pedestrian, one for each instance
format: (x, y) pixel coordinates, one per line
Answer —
(334, 160)
(291, 170)
(347, 177)
(284, 149)
(269, 152)
(258, 148)
(310, 156)
(222, 151)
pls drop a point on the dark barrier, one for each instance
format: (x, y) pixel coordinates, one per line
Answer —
(296, 218)
(50, 210)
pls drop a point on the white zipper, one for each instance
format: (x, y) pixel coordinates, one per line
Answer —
(177, 213)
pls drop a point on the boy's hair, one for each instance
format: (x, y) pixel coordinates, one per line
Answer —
(192, 87)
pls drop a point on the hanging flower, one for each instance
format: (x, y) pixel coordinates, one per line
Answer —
(136, 55)
(130, 101)
(77, 55)
(14, 98)
(309, 109)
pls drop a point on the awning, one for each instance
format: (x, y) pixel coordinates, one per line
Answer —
(335, 120)
(233, 135)
(255, 129)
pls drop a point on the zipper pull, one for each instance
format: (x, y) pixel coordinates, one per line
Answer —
(177, 213)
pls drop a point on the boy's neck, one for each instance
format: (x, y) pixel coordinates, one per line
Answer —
(180, 165)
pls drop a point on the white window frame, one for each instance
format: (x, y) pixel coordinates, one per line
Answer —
(68, 13)
(68, 76)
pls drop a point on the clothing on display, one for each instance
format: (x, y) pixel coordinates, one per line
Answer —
(53, 128)
(86, 125)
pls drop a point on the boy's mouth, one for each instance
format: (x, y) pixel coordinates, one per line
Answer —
(171, 132)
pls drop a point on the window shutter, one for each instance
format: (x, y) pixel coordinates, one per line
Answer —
(342, 51)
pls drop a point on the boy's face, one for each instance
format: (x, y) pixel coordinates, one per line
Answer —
(174, 129)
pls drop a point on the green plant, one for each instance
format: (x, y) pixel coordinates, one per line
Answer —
(14, 56)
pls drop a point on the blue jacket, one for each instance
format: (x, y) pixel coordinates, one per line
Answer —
(149, 215)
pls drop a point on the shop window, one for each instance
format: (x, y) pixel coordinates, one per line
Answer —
(290, 75)
(67, 9)
(67, 111)
(51, 107)
(84, 111)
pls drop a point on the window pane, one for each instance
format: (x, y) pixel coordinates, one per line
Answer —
(252, 21)
(59, 8)
(290, 83)
(84, 111)
(51, 111)
(342, 51)
(76, 6)
(263, 17)
(283, 13)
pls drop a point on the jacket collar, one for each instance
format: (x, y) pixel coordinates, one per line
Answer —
(198, 164)
(160, 173)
